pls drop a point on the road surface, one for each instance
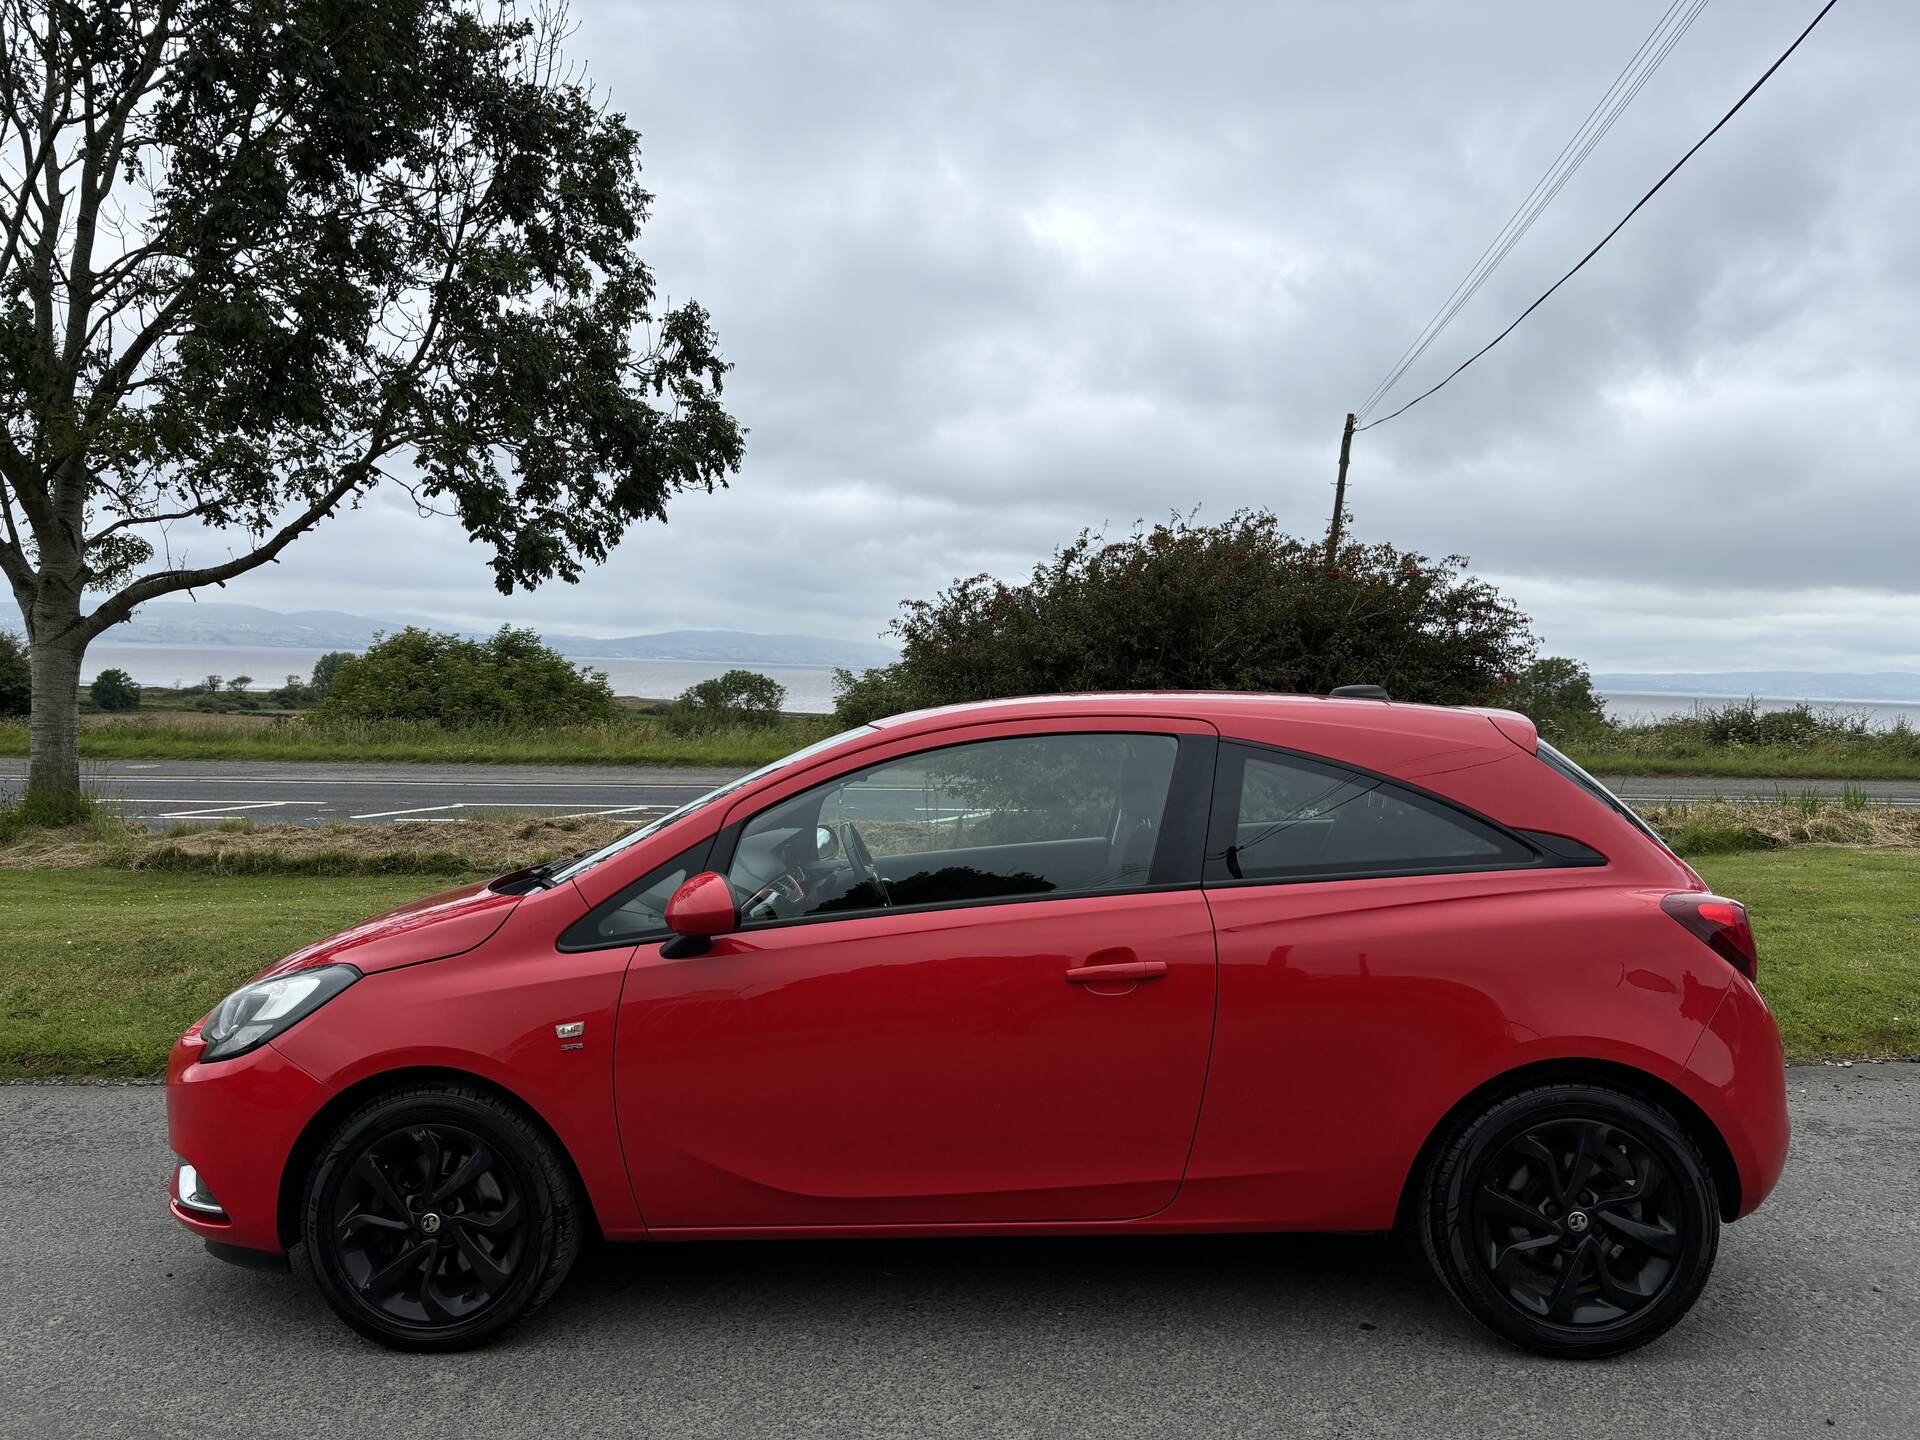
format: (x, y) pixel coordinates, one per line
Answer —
(313, 793)
(116, 1323)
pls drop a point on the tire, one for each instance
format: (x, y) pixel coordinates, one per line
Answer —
(1573, 1220)
(437, 1216)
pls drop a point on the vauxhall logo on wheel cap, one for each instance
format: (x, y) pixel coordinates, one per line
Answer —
(430, 1223)
(1576, 1221)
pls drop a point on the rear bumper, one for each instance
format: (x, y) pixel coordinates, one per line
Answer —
(235, 1122)
(1737, 1074)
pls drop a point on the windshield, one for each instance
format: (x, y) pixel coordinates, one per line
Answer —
(1586, 782)
(654, 827)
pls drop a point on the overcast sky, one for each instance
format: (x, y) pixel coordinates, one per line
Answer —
(992, 273)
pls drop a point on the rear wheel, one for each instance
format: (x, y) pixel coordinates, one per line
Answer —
(1574, 1219)
(437, 1216)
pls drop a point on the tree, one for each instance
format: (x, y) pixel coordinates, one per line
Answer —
(508, 679)
(1235, 606)
(115, 690)
(256, 260)
(239, 683)
(739, 697)
(1557, 695)
(324, 669)
(16, 676)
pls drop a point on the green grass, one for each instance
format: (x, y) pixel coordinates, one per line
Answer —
(1740, 740)
(100, 970)
(1736, 741)
(1839, 938)
(1751, 763)
(635, 740)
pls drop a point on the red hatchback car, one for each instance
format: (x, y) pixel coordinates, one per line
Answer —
(1104, 964)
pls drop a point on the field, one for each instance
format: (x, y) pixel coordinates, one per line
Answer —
(1736, 741)
(636, 740)
(100, 969)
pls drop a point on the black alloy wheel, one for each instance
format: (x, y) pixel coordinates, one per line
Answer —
(1573, 1219)
(1575, 1222)
(429, 1225)
(438, 1216)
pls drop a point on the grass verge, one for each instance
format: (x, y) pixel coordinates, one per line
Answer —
(631, 740)
(239, 847)
(1839, 938)
(1720, 827)
(101, 969)
(1777, 762)
(1735, 742)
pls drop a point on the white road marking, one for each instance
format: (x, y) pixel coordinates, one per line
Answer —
(157, 800)
(616, 810)
(219, 809)
(697, 788)
(417, 810)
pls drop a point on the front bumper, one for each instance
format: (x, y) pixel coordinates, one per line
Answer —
(235, 1123)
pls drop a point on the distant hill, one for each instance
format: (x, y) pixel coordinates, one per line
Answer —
(184, 623)
(736, 647)
(1772, 684)
(218, 625)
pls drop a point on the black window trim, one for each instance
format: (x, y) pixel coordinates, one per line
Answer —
(1226, 817)
(568, 945)
(1193, 769)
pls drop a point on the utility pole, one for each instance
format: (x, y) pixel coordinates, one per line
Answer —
(1340, 492)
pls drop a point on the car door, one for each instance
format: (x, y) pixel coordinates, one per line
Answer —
(973, 983)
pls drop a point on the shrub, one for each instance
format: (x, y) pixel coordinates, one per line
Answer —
(114, 690)
(296, 694)
(1235, 606)
(16, 676)
(1557, 695)
(324, 671)
(739, 697)
(860, 698)
(509, 678)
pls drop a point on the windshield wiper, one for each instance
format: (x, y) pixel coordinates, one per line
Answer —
(535, 877)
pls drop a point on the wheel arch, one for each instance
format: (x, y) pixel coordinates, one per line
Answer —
(1649, 1087)
(300, 1159)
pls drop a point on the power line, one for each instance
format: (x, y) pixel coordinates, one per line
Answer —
(1752, 90)
(1592, 130)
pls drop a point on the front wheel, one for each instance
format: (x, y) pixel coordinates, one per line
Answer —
(1573, 1219)
(437, 1216)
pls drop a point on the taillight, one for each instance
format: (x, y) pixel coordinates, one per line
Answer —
(1722, 923)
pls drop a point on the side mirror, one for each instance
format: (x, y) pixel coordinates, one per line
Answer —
(703, 907)
(826, 844)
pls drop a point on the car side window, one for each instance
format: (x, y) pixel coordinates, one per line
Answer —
(999, 819)
(638, 912)
(1284, 817)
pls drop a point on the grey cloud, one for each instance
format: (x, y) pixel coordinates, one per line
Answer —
(992, 273)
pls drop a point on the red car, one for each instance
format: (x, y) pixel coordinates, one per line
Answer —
(1114, 964)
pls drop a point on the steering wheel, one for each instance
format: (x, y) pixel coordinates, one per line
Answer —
(861, 859)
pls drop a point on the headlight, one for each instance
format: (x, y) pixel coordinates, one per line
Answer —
(255, 1013)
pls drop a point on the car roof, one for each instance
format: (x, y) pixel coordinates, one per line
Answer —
(1233, 711)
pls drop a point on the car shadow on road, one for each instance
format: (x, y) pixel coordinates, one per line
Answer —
(1186, 1284)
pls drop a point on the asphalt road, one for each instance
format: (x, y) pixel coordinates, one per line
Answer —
(115, 1322)
(163, 791)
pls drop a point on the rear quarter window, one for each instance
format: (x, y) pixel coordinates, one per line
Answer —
(1279, 816)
